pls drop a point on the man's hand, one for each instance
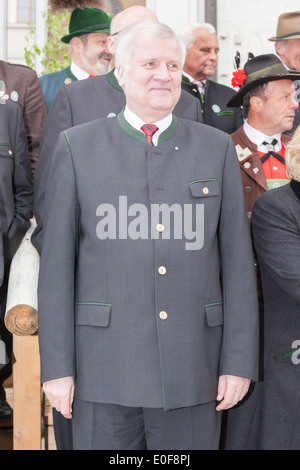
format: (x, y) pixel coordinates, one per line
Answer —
(231, 390)
(60, 393)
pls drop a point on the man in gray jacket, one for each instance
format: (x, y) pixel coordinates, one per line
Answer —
(147, 296)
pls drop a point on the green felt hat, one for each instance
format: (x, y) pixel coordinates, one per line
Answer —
(85, 21)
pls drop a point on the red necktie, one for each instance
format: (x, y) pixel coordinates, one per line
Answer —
(149, 130)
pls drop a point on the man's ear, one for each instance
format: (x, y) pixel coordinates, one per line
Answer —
(120, 75)
(111, 45)
(256, 103)
(280, 48)
(76, 44)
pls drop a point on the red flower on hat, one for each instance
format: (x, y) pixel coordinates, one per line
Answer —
(238, 78)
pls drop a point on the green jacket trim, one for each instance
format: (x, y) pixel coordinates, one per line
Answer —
(137, 135)
(213, 304)
(111, 78)
(226, 113)
(70, 74)
(203, 181)
(280, 357)
(93, 303)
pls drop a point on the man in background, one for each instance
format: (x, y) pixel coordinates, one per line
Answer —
(20, 85)
(268, 99)
(16, 201)
(287, 46)
(88, 32)
(201, 63)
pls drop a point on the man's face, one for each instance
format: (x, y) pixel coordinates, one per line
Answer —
(152, 80)
(278, 107)
(289, 52)
(95, 57)
(202, 58)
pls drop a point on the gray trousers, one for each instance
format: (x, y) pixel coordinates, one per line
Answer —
(99, 426)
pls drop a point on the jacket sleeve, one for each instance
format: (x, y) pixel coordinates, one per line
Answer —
(240, 350)
(57, 268)
(35, 115)
(276, 235)
(22, 184)
(59, 119)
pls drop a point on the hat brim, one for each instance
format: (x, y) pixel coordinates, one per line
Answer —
(66, 39)
(283, 38)
(237, 99)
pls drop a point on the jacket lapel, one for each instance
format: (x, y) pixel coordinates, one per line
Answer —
(249, 160)
(295, 185)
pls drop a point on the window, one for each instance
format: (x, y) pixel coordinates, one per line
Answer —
(26, 11)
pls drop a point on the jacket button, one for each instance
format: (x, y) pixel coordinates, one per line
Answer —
(206, 190)
(248, 189)
(162, 270)
(163, 315)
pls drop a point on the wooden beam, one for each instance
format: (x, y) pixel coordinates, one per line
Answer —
(27, 393)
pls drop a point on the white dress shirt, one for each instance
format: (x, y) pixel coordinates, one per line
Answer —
(258, 138)
(79, 73)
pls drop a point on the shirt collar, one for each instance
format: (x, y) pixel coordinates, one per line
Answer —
(258, 137)
(79, 73)
(191, 79)
(136, 122)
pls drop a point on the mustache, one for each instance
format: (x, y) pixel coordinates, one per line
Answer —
(105, 55)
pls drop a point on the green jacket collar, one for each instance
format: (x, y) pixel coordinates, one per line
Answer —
(137, 135)
(70, 74)
(112, 80)
(186, 81)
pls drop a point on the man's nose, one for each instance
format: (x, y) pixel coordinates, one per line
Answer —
(162, 73)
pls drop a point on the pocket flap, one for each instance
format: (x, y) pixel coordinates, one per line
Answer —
(205, 188)
(214, 314)
(92, 314)
(6, 151)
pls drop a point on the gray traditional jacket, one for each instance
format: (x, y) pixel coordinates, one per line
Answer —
(141, 310)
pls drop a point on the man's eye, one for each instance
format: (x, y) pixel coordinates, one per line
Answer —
(150, 65)
(173, 67)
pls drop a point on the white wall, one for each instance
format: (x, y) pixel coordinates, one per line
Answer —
(176, 13)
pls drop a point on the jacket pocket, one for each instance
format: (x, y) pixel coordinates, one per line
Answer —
(92, 314)
(6, 151)
(214, 314)
(205, 188)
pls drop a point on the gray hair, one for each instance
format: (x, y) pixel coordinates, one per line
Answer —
(187, 34)
(292, 156)
(150, 29)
